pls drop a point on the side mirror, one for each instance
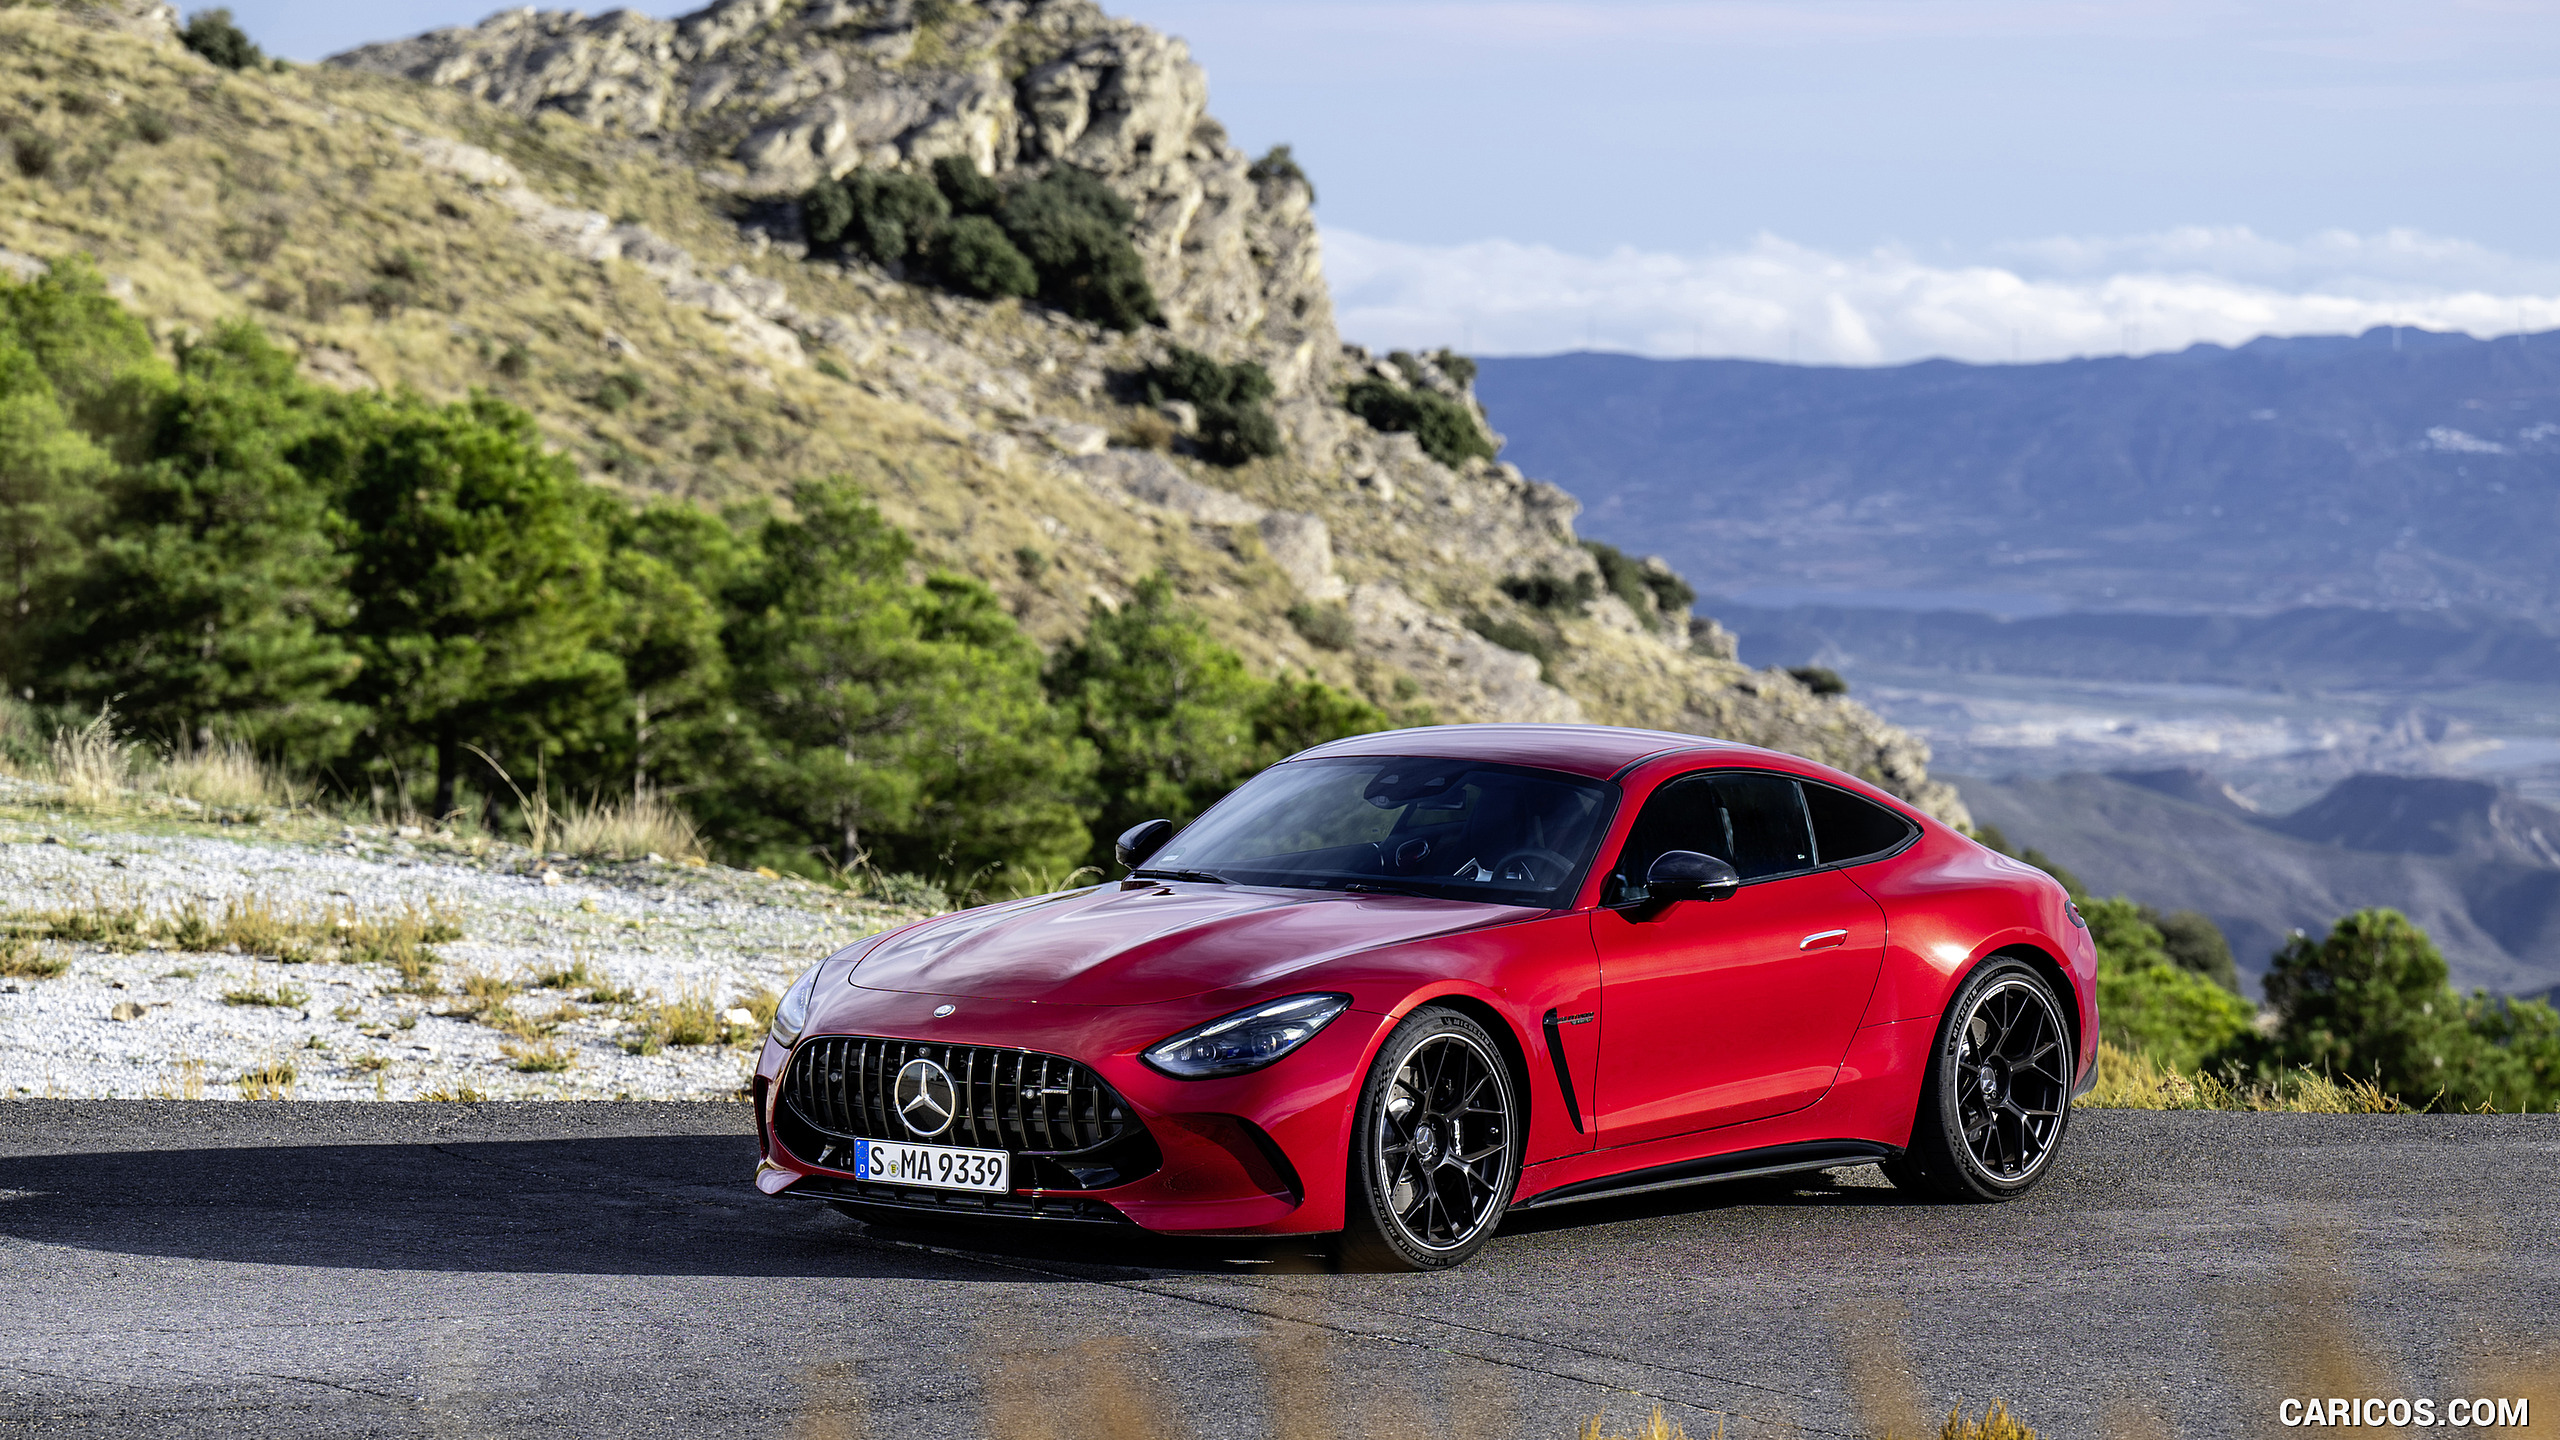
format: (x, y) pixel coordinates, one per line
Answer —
(1688, 875)
(1140, 841)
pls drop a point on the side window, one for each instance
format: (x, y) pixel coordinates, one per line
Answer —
(1753, 822)
(1847, 829)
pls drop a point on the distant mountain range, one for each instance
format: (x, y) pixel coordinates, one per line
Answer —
(2477, 867)
(2398, 469)
(2331, 647)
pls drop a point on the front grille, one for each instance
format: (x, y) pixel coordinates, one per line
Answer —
(1069, 1129)
(1009, 1099)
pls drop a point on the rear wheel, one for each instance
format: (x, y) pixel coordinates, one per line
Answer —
(1434, 1147)
(1997, 1096)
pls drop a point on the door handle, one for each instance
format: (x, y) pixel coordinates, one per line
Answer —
(1822, 940)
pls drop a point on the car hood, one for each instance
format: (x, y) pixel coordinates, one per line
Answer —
(1137, 945)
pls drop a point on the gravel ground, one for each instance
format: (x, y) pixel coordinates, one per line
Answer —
(654, 929)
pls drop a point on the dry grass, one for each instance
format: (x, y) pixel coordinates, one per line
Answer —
(249, 925)
(689, 1019)
(629, 830)
(94, 765)
(2137, 1082)
(283, 997)
(270, 1081)
(537, 1059)
(1995, 1423)
(185, 1083)
(223, 774)
(21, 958)
(1656, 1428)
(455, 1094)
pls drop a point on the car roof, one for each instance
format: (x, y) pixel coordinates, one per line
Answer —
(1599, 751)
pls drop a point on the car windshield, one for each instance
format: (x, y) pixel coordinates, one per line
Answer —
(1461, 829)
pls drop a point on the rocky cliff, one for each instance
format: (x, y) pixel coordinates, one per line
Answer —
(590, 217)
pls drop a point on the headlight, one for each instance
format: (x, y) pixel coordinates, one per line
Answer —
(1246, 1040)
(793, 1012)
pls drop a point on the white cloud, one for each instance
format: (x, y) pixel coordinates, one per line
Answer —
(2044, 300)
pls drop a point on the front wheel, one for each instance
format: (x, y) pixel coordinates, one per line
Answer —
(1997, 1095)
(1434, 1147)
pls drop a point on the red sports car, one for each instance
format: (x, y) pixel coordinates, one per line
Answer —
(1401, 984)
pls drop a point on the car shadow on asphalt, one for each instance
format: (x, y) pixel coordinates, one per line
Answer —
(664, 1205)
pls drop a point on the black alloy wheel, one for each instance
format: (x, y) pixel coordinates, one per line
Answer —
(1435, 1148)
(1997, 1097)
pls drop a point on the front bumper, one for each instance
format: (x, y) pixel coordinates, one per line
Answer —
(1258, 1154)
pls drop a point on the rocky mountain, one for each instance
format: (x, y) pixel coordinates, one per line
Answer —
(594, 219)
(2394, 470)
(2323, 647)
(2479, 869)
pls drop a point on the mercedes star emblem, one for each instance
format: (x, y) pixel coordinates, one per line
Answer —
(924, 1097)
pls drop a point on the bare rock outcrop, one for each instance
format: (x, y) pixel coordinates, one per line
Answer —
(773, 95)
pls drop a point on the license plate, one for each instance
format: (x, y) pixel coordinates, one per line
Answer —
(939, 1167)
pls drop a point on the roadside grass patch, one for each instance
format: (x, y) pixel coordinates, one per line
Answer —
(688, 1019)
(544, 1058)
(283, 997)
(92, 764)
(455, 1094)
(185, 1082)
(629, 830)
(222, 774)
(370, 1062)
(251, 925)
(270, 1081)
(572, 976)
(2138, 1082)
(21, 958)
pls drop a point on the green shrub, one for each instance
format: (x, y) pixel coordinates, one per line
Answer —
(966, 186)
(1446, 429)
(1512, 635)
(211, 34)
(888, 215)
(1234, 425)
(621, 390)
(33, 154)
(1063, 237)
(975, 258)
(1277, 164)
(1327, 626)
(1076, 234)
(1460, 370)
(2149, 1005)
(2193, 942)
(1545, 590)
(1649, 588)
(1820, 679)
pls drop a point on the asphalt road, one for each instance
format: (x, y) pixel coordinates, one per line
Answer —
(594, 1269)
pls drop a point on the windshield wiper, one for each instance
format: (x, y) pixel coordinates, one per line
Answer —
(1208, 877)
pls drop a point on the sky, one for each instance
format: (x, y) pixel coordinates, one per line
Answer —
(1872, 181)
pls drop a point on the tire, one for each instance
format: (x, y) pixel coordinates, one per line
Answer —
(1996, 1099)
(1435, 1147)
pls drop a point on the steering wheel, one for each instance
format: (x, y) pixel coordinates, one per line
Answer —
(1536, 865)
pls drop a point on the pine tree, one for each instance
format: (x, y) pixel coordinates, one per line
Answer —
(212, 597)
(892, 723)
(480, 576)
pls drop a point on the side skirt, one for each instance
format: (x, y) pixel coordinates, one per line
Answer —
(1742, 1165)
